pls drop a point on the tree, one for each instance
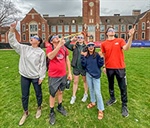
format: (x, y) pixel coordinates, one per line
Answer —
(8, 12)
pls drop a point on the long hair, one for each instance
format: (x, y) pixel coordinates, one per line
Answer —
(94, 53)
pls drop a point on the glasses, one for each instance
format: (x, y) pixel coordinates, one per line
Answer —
(34, 37)
(90, 45)
(55, 36)
(80, 37)
(111, 30)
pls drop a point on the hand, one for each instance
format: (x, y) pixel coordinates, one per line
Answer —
(13, 26)
(84, 53)
(104, 70)
(74, 39)
(62, 41)
(131, 31)
(101, 54)
(39, 82)
(69, 76)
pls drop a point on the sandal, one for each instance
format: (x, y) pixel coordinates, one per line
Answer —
(90, 105)
(100, 115)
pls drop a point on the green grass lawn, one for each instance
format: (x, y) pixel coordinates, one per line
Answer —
(138, 76)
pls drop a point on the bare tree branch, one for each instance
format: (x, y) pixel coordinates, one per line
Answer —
(8, 12)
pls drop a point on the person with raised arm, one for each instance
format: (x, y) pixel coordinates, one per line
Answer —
(32, 68)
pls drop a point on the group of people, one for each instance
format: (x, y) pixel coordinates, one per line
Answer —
(85, 62)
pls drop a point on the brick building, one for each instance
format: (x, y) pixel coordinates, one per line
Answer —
(4, 35)
(90, 22)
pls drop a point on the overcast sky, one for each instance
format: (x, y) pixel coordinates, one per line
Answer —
(74, 7)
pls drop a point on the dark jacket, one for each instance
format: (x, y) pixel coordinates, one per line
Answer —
(92, 64)
(77, 48)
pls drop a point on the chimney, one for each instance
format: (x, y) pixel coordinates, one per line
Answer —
(116, 14)
(136, 12)
(45, 15)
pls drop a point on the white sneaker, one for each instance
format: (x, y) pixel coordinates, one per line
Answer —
(72, 101)
(85, 96)
(22, 120)
(38, 113)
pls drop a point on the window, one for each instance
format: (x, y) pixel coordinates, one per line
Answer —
(116, 35)
(32, 16)
(43, 36)
(91, 28)
(53, 28)
(73, 21)
(33, 28)
(91, 12)
(129, 26)
(79, 28)
(123, 28)
(24, 37)
(23, 28)
(107, 20)
(102, 36)
(102, 28)
(73, 28)
(43, 27)
(143, 35)
(136, 27)
(66, 28)
(59, 28)
(143, 25)
(123, 36)
(116, 27)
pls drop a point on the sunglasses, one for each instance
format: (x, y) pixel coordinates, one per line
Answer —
(111, 30)
(53, 37)
(90, 45)
(34, 37)
(80, 37)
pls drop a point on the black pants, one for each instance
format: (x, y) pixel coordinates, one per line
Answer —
(121, 79)
(25, 89)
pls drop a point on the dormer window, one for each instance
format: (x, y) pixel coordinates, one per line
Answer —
(121, 20)
(61, 21)
(73, 21)
(107, 20)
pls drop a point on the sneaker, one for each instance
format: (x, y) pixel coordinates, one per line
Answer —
(22, 120)
(62, 111)
(52, 118)
(85, 96)
(125, 111)
(38, 113)
(111, 102)
(73, 99)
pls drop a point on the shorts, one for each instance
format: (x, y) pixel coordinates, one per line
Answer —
(57, 83)
(77, 72)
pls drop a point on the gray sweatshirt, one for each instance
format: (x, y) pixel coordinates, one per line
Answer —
(32, 63)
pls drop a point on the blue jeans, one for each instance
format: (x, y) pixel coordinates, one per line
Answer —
(25, 89)
(95, 91)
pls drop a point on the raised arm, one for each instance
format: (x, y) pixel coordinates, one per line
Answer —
(53, 53)
(12, 38)
(128, 44)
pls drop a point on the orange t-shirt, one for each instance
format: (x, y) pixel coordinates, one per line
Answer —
(113, 52)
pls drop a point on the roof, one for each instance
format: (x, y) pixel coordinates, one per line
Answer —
(118, 19)
(141, 15)
(64, 20)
